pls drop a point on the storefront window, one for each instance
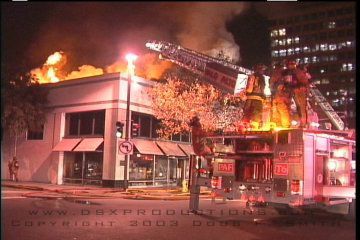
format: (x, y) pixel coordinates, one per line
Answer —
(161, 168)
(173, 165)
(81, 167)
(141, 167)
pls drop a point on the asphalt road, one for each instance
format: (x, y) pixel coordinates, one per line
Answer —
(35, 218)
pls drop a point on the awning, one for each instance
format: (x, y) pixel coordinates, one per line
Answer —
(66, 145)
(89, 145)
(171, 149)
(147, 147)
(188, 149)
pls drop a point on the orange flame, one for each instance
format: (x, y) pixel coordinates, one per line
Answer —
(49, 72)
(148, 66)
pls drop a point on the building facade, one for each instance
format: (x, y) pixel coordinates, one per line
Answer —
(78, 144)
(322, 35)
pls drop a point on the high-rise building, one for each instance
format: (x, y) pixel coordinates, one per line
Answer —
(322, 36)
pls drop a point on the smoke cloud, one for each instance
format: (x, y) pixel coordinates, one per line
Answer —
(98, 34)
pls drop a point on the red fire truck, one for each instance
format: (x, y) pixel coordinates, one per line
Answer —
(296, 167)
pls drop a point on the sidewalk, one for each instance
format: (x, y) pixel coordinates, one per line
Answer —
(53, 191)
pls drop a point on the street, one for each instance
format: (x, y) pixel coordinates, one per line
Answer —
(76, 219)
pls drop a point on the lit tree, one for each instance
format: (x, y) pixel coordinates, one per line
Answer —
(177, 100)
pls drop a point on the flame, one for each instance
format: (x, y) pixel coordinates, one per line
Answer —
(148, 66)
(49, 72)
(52, 75)
(54, 58)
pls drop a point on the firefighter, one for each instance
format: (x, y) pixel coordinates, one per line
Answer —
(255, 96)
(281, 100)
(298, 79)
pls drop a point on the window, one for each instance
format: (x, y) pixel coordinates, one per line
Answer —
(274, 33)
(275, 43)
(290, 51)
(306, 49)
(282, 42)
(282, 52)
(324, 47)
(297, 50)
(332, 47)
(85, 123)
(181, 137)
(35, 134)
(282, 32)
(289, 41)
(331, 24)
(296, 40)
(306, 60)
(315, 59)
(275, 53)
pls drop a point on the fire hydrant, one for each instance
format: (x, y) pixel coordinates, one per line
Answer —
(185, 187)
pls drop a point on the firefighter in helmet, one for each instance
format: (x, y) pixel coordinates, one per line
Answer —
(281, 100)
(298, 79)
(255, 97)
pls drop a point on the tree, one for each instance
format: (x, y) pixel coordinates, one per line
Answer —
(177, 100)
(24, 105)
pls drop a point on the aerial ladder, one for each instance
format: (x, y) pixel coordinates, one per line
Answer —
(228, 76)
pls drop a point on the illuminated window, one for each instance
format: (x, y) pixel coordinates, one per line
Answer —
(297, 50)
(282, 52)
(275, 53)
(322, 70)
(289, 41)
(282, 32)
(290, 51)
(349, 43)
(296, 40)
(306, 60)
(306, 49)
(316, 82)
(282, 42)
(324, 47)
(347, 67)
(332, 47)
(274, 33)
(327, 93)
(335, 93)
(315, 59)
(331, 25)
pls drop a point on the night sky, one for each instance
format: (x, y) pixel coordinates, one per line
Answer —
(99, 33)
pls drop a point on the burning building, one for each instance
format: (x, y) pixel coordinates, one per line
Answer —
(79, 144)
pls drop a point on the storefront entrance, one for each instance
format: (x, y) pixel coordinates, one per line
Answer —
(83, 167)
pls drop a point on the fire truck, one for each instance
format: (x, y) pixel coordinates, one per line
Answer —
(280, 166)
(291, 166)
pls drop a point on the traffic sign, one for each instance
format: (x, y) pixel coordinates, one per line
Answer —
(126, 147)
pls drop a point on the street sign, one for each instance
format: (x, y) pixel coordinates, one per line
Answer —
(126, 147)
